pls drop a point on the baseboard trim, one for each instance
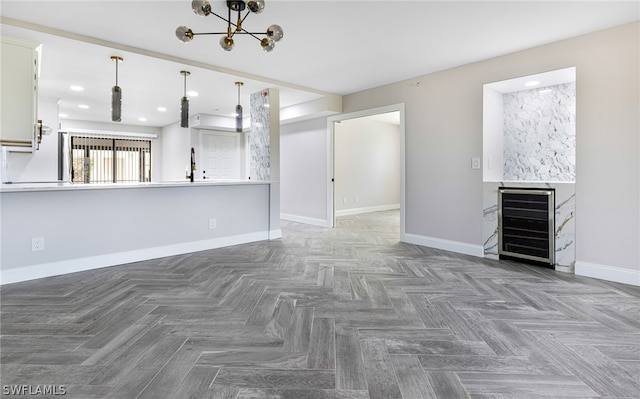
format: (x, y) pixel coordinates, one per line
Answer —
(33, 272)
(357, 211)
(275, 234)
(447, 245)
(609, 273)
(304, 219)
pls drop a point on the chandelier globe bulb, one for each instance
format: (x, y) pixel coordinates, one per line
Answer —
(226, 43)
(256, 6)
(201, 7)
(184, 34)
(275, 32)
(267, 44)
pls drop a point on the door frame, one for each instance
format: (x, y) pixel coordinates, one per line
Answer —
(331, 121)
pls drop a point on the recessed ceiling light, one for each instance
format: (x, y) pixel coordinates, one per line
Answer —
(162, 109)
(63, 115)
(532, 83)
(544, 91)
(192, 93)
(142, 119)
(76, 88)
(83, 106)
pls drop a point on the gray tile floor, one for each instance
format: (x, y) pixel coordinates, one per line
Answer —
(323, 313)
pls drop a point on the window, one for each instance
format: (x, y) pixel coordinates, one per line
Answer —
(109, 160)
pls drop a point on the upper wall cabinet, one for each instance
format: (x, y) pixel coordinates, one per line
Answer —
(19, 97)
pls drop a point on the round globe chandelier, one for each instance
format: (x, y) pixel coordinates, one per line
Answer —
(203, 8)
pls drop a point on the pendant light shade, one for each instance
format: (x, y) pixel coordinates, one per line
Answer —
(184, 104)
(116, 104)
(239, 118)
(184, 112)
(116, 95)
(239, 110)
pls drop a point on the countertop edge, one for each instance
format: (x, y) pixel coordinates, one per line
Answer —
(34, 187)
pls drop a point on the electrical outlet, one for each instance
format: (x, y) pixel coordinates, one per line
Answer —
(475, 163)
(344, 200)
(212, 224)
(356, 199)
(37, 244)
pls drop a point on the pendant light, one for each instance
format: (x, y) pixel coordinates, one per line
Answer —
(239, 110)
(184, 104)
(116, 95)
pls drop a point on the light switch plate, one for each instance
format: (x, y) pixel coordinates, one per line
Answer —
(475, 163)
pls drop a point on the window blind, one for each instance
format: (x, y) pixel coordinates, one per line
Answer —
(110, 160)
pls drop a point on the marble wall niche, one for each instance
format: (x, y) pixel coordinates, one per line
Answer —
(529, 141)
(539, 140)
(565, 196)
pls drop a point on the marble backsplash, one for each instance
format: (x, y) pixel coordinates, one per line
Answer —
(564, 220)
(539, 134)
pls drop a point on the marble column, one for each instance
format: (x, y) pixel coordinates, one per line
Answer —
(265, 150)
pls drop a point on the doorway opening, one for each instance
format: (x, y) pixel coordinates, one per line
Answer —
(367, 163)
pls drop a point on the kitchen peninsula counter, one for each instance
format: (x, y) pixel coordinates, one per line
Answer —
(50, 229)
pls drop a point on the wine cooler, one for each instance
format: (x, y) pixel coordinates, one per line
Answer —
(526, 224)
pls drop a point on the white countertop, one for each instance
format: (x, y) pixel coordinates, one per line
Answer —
(60, 186)
(530, 182)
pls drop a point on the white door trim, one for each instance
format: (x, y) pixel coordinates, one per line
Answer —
(330, 157)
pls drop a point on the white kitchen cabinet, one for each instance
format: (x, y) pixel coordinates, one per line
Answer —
(19, 97)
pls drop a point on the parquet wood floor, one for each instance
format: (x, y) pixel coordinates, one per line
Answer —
(323, 313)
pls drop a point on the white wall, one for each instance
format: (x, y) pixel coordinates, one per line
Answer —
(367, 166)
(492, 143)
(176, 152)
(303, 171)
(42, 165)
(444, 131)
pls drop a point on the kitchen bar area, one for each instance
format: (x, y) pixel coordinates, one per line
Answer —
(52, 229)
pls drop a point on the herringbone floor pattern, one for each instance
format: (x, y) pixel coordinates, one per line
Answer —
(324, 313)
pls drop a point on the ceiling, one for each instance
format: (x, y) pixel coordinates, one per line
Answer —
(329, 47)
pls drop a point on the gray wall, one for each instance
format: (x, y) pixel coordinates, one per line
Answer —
(367, 166)
(303, 174)
(130, 224)
(444, 131)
